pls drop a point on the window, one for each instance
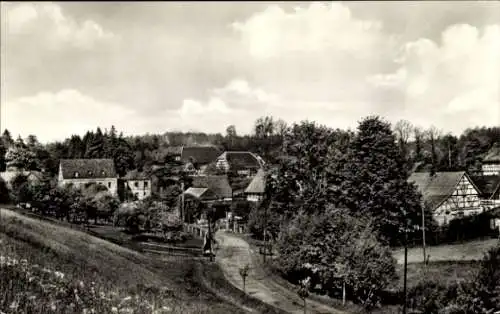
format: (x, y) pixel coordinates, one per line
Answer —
(76, 174)
(145, 184)
(109, 185)
(136, 184)
(144, 193)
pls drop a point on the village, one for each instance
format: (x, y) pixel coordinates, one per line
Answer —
(265, 157)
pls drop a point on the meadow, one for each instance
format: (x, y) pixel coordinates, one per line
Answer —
(48, 268)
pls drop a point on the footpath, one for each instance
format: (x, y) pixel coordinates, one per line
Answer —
(234, 253)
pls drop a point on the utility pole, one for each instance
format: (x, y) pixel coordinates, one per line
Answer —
(406, 264)
(423, 236)
(183, 217)
(265, 232)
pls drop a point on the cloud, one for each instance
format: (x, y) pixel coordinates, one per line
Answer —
(319, 27)
(236, 103)
(47, 23)
(55, 116)
(456, 80)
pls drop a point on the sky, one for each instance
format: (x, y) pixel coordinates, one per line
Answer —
(152, 67)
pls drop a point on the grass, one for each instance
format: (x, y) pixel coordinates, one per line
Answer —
(467, 251)
(116, 278)
(448, 264)
(446, 272)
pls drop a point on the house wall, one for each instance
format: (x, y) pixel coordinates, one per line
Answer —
(222, 163)
(254, 197)
(140, 188)
(463, 202)
(491, 169)
(110, 183)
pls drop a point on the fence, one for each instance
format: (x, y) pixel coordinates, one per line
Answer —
(200, 230)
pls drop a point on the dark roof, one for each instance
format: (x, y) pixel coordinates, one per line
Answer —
(242, 160)
(88, 168)
(493, 155)
(258, 184)
(200, 154)
(218, 184)
(487, 185)
(135, 175)
(174, 150)
(437, 188)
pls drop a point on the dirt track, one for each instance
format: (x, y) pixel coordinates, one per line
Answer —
(234, 253)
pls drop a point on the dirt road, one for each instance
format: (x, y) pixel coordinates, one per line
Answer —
(234, 253)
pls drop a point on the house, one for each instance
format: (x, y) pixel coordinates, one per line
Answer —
(448, 194)
(256, 188)
(214, 190)
(138, 184)
(210, 188)
(242, 163)
(491, 162)
(489, 188)
(82, 171)
(202, 155)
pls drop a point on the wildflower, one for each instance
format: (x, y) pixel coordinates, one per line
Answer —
(59, 275)
(14, 305)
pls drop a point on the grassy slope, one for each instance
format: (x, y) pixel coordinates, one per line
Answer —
(83, 257)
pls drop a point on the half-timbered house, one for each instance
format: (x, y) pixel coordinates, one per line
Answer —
(449, 195)
(491, 162)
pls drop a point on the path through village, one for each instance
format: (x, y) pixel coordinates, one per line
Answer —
(234, 253)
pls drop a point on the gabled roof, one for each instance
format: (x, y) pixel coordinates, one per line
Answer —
(199, 154)
(438, 188)
(258, 184)
(218, 184)
(493, 155)
(88, 168)
(135, 175)
(196, 192)
(242, 160)
(489, 186)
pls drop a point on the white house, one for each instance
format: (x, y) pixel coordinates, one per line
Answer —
(82, 171)
(491, 162)
(138, 184)
(449, 194)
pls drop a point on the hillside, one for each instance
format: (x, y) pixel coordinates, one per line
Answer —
(45, 267)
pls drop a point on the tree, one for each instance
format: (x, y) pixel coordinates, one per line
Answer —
(3, 151)
(4, 192)
(334, 248)
(7, 138)
(244, 274)
(303, 291)
(20, 157)
(403, 130)
(433, 134)
(95, 145)
(373, 181)
(419, 138)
